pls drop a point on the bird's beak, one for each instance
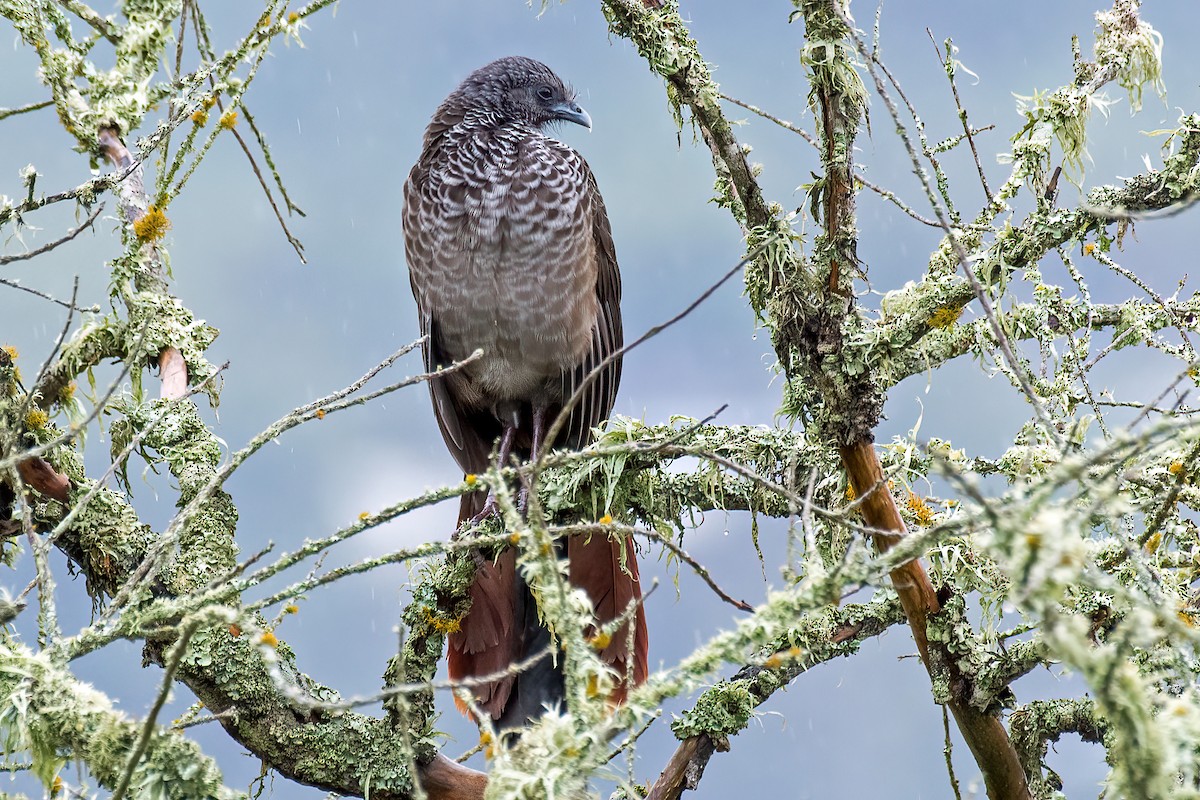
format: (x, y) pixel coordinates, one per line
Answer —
(571, 111)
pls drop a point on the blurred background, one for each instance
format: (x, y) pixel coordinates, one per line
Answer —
(344, 115)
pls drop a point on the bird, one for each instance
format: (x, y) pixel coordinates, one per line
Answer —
(510, 252)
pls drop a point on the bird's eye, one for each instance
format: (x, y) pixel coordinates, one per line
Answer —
(544, 92)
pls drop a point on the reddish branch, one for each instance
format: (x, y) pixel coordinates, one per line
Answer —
(443, 779)
(984, 733)
(38, 474)
(172, 371)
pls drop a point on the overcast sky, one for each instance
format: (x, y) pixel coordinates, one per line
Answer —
(345, 114)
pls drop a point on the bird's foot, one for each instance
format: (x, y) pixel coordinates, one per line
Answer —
(490, 509)
(466, 527)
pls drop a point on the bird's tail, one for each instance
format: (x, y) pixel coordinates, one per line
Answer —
(502, 627)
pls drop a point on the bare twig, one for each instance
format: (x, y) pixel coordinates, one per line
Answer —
(51, 245)
(698, 568)
(948, 64)
(874, 67)
(12, 112)
(561, 420)
(14, 284)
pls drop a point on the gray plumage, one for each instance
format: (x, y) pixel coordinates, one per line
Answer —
(509, 251)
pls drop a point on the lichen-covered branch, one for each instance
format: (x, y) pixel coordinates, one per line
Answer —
(1039, 724)
(46, 711)
(726, 708)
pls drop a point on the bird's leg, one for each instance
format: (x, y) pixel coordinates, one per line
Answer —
(502, 454)
(539, 433)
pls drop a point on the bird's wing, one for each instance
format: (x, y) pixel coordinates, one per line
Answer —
(469, 435)
(597, 399)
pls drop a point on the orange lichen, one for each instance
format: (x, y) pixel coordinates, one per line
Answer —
(944, 317)
(441, 624)
(152, 226)
(919, 509)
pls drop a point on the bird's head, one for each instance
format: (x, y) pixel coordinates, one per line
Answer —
(519, 89)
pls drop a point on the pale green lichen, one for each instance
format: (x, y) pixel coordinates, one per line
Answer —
(46, 712)
(723, 710)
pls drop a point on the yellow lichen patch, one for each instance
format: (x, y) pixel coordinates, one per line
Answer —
(470, 479)
(593, 686)
(364, 516)
(291, 608)
(36, 419)
(152, 226)
(774, 661)
(514, 539)
(269, 639)
(600, 641)
(441, 624)
(57, 786)
(319, 413)
(850, 493)
(200, 117)
(919, 509)
(944, 317)
(293, 18)
(1089, 248)
(606, 519)
(228, 120)
(67, 393)
(1154, 542)
(1175, 468)
(209, 102)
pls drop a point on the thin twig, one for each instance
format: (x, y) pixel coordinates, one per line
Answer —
(948, 65)
(12, 112)
(148, 727)
(51, 245)
(960, 252)
(88, 15)
(676, 550)
(15, 284)
(561, 420)
(783, 123)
